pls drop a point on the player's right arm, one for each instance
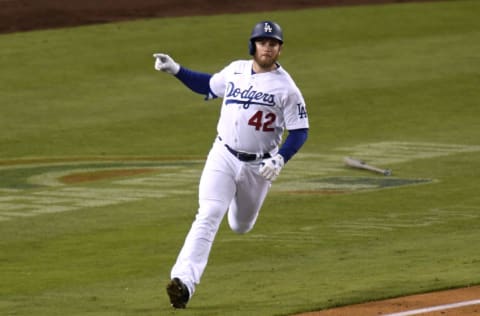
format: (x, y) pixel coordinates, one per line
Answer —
(198, 82)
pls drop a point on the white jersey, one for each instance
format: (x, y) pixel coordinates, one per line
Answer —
(257, 108)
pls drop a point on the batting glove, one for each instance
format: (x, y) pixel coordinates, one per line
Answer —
(270, 168)
(165, 63)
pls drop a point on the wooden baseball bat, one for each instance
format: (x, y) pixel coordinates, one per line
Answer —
(355, 163)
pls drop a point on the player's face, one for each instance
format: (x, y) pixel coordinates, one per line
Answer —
(266, 53)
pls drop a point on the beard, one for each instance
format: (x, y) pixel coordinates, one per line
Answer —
(266, 62)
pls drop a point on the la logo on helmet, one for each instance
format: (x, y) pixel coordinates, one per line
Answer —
(267, 28)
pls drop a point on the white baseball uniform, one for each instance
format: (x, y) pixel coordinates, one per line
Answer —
(256, 110)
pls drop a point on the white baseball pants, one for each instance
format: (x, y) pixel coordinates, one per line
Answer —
(226, 184)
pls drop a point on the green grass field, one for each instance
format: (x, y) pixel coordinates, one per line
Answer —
(100, 157)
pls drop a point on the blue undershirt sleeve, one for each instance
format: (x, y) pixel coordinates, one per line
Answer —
(295, 140)
(198, 82)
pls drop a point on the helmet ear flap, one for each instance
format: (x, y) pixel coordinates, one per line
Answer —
(251, 47)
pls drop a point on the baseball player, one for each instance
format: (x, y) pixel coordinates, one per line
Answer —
(260, 102)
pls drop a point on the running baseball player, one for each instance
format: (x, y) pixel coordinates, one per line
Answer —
(260, 102)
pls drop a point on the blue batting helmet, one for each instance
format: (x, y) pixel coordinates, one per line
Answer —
(265, 29)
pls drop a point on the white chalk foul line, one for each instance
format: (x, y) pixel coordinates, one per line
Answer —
(435, 308)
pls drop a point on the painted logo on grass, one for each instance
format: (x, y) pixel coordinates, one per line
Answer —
(41, 187)
(31, 188)
(325, 173)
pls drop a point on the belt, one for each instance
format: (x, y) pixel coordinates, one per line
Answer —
(246, 156)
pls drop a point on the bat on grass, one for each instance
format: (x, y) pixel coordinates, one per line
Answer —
(355, 163)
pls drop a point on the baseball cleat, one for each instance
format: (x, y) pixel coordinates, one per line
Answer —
(178, 293)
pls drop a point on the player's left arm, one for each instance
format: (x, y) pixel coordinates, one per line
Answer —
(296, 121)
(295, 140)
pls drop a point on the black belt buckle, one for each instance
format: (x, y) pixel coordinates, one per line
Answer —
(245, 156)
(241, 155)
